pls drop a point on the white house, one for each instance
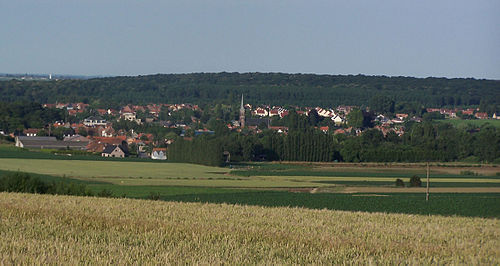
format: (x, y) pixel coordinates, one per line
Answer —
(338, 119)
(159, 154)
(94, 121)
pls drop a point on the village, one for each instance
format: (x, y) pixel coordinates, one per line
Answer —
(96, 131)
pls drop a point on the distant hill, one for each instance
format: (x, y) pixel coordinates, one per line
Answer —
(258, 88)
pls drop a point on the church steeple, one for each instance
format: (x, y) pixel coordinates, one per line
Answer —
(242, 113)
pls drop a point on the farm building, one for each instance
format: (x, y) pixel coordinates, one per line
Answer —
(48, 143)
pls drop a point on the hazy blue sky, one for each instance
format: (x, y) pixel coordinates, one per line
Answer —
(456, 38)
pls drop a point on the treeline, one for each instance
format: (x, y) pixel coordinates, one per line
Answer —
(258, 88)
(202, 150)
(20, 115)
(422, 142)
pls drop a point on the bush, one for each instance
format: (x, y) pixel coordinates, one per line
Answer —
(106, 193)
(415, 181)
(61, 188)
(154, 196)
(400, 183)
(25, 183)
(22, 182)
(471, 159)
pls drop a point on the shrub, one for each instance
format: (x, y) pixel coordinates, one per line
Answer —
(472, 159)
(61, 188)
(154, 196)
(400, 183)
(106, 193)
(22, 182)
(415, 181)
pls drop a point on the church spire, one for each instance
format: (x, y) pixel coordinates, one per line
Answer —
(242, 113)
(242, 107)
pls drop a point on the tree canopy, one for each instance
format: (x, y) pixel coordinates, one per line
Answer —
(260, 88)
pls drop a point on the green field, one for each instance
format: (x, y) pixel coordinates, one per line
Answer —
(457, 189)
(472, 123)
(178, 174)
(187, 182)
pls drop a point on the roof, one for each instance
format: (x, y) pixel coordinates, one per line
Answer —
(94, 118)
(22, 138)
(50, 143)
(77, 138)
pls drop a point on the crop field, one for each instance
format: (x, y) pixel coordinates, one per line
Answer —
(40, 229)
(178, 174)
(456, 189)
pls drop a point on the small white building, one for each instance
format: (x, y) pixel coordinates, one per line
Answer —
(159, 154)
(94, 121)
(338, 120)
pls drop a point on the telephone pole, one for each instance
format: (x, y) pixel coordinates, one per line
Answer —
(427, 193)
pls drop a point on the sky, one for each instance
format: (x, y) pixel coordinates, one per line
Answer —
(420, 38)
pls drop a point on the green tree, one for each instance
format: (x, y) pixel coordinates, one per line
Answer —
(355, 118)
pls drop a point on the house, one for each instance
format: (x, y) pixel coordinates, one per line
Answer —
(469, 111)
(338, 120)
(108, 132)
(339, 131)
(131, 117)
(102, 111)
(77, 138)
(481, 115)
(94, 121)
(113, 151)
(31, 132)
(159, 154)
(126, 109)
(402, 116)
(98, 144)
(260, 112)
(324, 129)
(284, 113)
(279, 129)
(325, 112)
(48, 143)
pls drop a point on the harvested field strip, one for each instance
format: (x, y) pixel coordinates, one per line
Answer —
(73, 230)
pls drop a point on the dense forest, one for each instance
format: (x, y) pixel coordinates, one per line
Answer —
(258, 88)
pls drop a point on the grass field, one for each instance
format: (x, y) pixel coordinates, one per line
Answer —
(177, 174)
(38, 229)
(321, 184)
(474, 123)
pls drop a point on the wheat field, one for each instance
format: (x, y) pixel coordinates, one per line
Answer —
(42, 229)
